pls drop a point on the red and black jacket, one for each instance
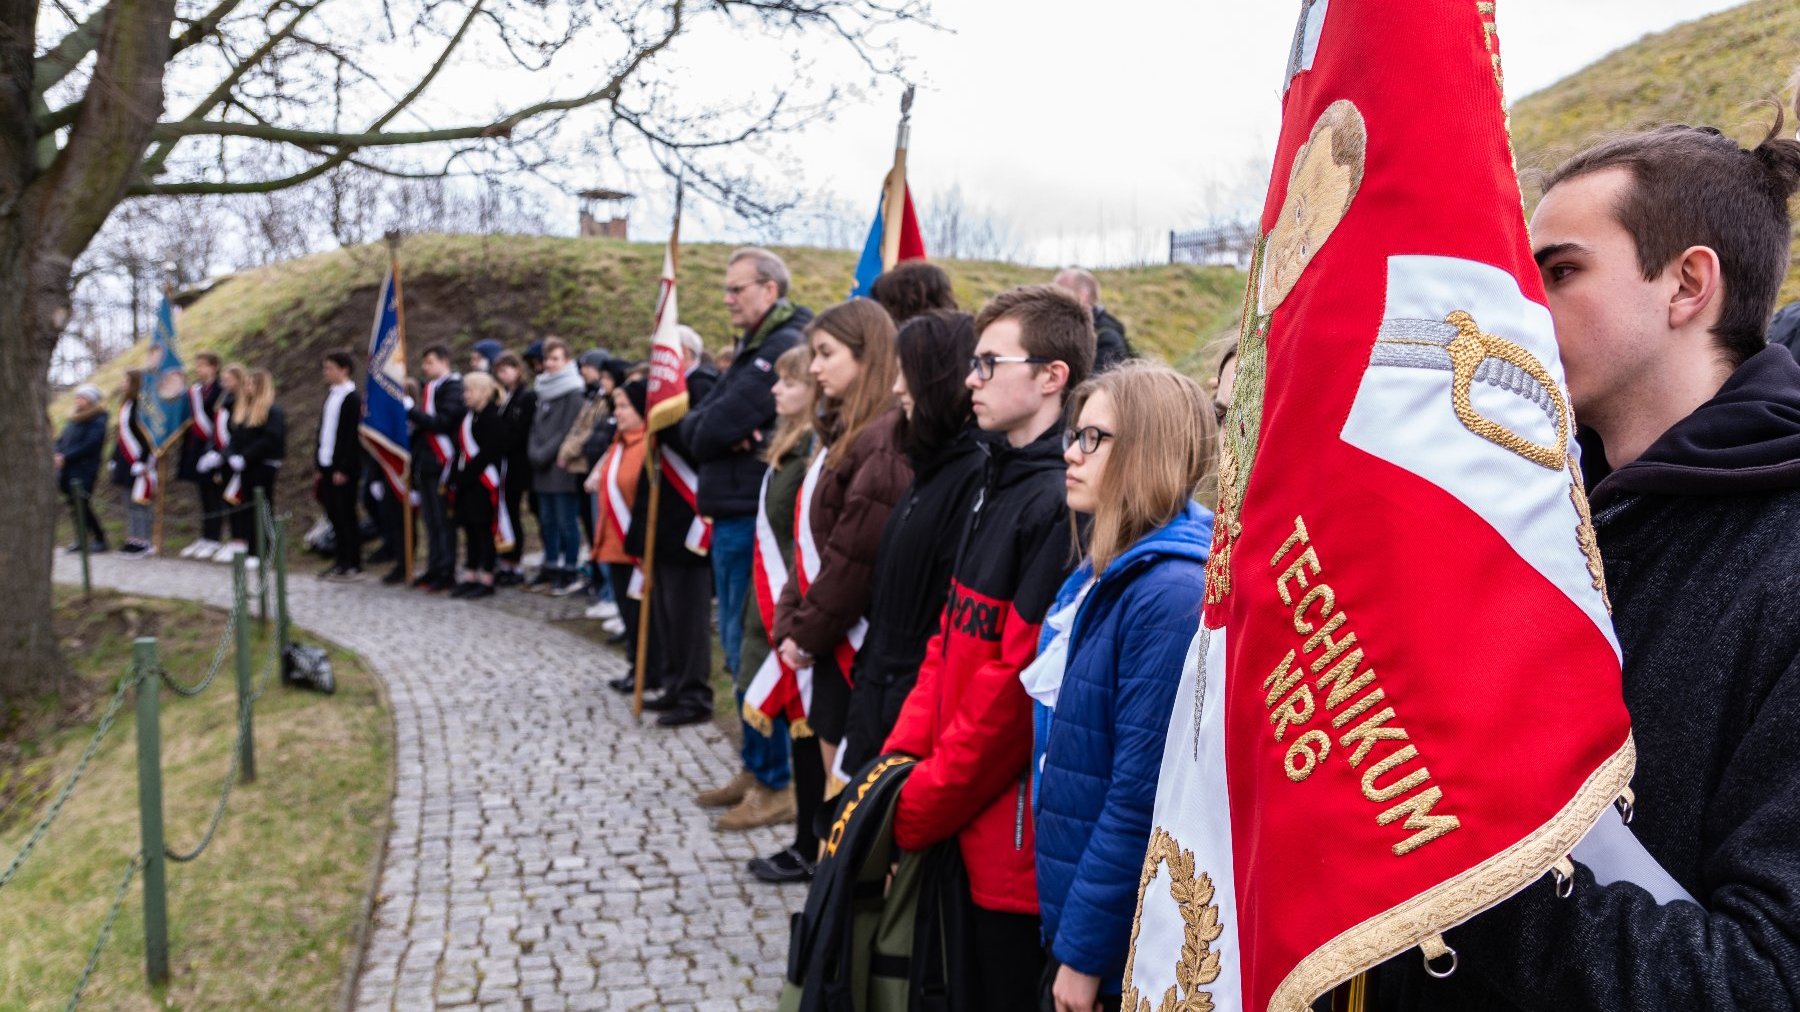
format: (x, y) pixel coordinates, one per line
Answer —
(968, 720)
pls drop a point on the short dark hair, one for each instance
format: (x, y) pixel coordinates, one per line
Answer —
(209, 358)
(1052, 325)
(912, 288)
(1693, 186)
(342, 360)
(556, 344)
(934, 349)
(436, 351)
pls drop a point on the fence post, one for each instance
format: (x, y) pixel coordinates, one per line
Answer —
(240, 596)
(281, 597)
(82, 506)
(261, 513)
(150, 809)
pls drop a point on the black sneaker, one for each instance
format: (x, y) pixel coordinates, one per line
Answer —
(545, 577)
(625, 684)
(394, 576)
(788, 866)
(341, 575)
(508, 578)
(478, 591)
(662, 702)
(462, 589)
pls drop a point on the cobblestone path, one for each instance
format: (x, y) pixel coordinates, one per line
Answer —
(545, 851)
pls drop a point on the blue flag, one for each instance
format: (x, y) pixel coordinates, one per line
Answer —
(164, 402)
(383, 427)
(869, 266)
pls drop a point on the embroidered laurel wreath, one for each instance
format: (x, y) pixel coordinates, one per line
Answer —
(1193, 895)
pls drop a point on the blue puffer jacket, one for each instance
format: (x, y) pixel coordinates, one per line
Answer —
(1100, 756)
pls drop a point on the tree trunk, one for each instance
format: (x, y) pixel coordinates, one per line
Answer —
(30, 662)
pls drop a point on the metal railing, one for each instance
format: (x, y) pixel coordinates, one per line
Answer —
(147, 677)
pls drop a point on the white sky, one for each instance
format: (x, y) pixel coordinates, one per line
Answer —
(1090, 129)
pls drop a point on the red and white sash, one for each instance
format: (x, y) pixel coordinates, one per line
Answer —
(234, 488)
(441, 446)
(221, 427)
(776, 690)
(808, 562)
(137, 450)
(494, 480)
(204, 424)
(687, 482)
(615, 510)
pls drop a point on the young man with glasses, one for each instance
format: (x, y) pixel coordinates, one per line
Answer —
(968, 719)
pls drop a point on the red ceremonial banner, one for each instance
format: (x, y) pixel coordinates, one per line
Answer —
(1404, 705)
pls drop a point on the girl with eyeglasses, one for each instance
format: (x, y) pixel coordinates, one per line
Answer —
(1140, 439)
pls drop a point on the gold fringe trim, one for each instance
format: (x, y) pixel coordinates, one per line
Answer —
(1394, 931)
(757, 719)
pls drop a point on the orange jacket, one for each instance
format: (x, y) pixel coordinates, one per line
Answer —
(627, 453)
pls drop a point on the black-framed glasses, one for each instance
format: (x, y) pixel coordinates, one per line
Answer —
(1088, 438)
(983, 365)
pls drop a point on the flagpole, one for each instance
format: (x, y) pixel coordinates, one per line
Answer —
(655, 472)
(406, 509)
(893, 202)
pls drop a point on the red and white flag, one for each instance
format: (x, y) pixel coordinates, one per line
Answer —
(1404, 702)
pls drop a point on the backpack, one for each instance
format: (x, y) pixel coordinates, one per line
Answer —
(852, 947)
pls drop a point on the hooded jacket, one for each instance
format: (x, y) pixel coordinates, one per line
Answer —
(1098, 776)
(81, 442)
(725, 430)
(850, 508)
(1110, 345)
(912, 578)
(1698, 538)
(968, 719)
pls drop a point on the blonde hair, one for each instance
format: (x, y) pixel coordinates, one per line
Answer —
(255, 398)
(479, 389)
(862, 326)
(1164, 438)
(237, 372)
(791, 429)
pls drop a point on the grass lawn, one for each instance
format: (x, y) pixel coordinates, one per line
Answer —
(270, 915)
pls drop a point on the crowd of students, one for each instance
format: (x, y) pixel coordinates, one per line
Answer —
(980, 550)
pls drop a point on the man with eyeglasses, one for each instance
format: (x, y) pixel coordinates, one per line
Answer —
(968, 719)
(725, 434)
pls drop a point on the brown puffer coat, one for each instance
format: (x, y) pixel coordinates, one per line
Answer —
(850, 510)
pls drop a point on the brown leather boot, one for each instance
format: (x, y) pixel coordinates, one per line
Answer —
(728, 795)
(761, 807)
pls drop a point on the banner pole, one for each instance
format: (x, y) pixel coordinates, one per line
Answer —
(649, 584)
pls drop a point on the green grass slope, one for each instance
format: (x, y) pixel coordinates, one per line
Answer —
(1708, 72)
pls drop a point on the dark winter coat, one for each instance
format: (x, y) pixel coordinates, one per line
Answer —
(346, 446)
(850, 508)
(560, 398)
(193, 444)
(518, 412)
(442, 420)
(81, 443)
(488, 428)
(1698, 537)
(1105, 740)
(726, 430)
(674, 517)
(1110, 346)
(968, 720)
(263, 447)
(912, 578)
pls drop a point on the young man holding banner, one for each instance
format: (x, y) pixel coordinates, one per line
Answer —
(1661, 255)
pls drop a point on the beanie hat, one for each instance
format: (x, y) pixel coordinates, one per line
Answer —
(638, 393)
(489, 349)
(89, 393)
(534, 352)
(593, 359)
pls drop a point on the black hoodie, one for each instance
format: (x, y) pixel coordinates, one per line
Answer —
(1699, 540)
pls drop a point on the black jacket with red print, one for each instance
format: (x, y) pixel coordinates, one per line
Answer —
(968, 720)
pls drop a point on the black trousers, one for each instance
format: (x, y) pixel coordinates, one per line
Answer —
(243, 516)
(475, 515)
(212, 507)
(1008, 959)
(619, 575)
(346, 529)
(515, 493)
(681, 634)
(82, 512)
(440, 531)
(809, 792)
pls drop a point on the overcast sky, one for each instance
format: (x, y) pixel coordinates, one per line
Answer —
(1090, 129)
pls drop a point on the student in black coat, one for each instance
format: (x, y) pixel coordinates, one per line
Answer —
(518, 404)
(203, 437)
(254, 450)
(680, 662)
(481, 446)
(77, 459)
(1699, 423)
(339, 463)
(435, 418)
(918, 546)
